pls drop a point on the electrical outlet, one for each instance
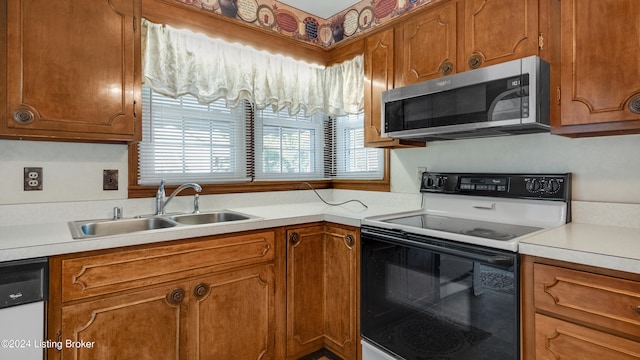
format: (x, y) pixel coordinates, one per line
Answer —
(32, 178)
(109, 179)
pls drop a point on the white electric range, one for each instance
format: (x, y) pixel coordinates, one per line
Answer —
(443, 282)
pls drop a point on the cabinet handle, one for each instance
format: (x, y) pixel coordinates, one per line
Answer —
(294, 238)
(349, 240)
(201, 290)
(634, 104)
(24, 116)
(446, 68)
(176, 296)
(637, 310)
(475, 61)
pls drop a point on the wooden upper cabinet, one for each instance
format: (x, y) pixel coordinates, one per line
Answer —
(73, 70)
(428, 46)
(379, 67)
(499, 30)
(600, 68)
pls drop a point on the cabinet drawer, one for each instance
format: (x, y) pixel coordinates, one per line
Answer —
(557, 339)
(600, 300)
(122, 270)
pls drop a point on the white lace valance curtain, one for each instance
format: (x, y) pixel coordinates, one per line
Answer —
(177, 62)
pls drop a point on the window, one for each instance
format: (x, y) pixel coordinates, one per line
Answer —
(289, 146)
(351, 159)
(183, 140)
(186, 141)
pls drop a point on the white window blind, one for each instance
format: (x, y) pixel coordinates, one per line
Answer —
(351, 160)
(288, 147)
(186, 141)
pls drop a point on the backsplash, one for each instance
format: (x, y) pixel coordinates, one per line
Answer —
(301, 25)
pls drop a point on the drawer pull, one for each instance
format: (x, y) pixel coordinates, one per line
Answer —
(637, 310)
(176, 296)
(201, 290)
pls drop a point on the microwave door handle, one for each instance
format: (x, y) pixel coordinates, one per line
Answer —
(500, 98)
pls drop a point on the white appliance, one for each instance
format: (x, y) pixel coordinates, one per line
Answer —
(443, 282)
(23, 292)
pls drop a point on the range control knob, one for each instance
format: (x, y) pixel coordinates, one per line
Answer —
(428, 181)
(439, 182)
(552, 186)
(533, 185)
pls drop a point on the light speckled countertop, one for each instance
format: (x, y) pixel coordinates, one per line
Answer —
(30, 240)
(604, 235)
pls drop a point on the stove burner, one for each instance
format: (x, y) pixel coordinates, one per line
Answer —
(489, 234)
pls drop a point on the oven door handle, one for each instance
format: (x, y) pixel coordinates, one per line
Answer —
(498, 260)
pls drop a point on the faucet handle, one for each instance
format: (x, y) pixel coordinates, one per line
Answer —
(161, 187)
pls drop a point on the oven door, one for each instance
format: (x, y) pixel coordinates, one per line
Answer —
(425, 298)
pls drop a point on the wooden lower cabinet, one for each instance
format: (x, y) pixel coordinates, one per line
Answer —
(578, 312)
(323, 290)
(266, 294)
(219, 301)
(234, 318)
(138, 325)
(562, 340)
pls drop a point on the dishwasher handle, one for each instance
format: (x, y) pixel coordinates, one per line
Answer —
(23, 282)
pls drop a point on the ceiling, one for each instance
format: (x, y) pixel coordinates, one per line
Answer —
(321, 8)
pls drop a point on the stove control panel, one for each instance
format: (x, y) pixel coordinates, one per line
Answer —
(537, 186)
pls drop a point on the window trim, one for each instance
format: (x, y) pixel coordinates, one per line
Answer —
(141, 191)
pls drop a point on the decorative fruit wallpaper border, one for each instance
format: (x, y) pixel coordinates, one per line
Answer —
(301, 25)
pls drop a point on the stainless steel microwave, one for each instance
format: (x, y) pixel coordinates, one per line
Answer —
(503, 99)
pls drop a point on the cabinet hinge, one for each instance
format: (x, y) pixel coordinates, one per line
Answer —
(540, 41)
(135, 24)
(135, 114)
(59, 340)
(558, 95)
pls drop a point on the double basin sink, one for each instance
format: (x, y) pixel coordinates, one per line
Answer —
(92, 228)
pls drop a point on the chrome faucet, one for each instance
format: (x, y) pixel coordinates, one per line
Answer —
(162, 200)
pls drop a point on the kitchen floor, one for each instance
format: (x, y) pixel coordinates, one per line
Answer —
(323, 354)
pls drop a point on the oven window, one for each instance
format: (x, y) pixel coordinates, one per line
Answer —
(421, 304)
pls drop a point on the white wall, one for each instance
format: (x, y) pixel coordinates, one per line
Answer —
(604, 169)
(71, 171)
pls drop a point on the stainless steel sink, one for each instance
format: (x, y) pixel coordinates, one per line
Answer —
(93, 228)
(209, 217)
(82, 229)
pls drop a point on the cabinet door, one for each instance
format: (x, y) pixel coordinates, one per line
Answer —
(73, 69)
(305, 290)
(379, 65)
(600, 67)
(378, 70)
(234, 314)
(499, 30)
(341, 291)
(561, 340)
(147, 324)
(429, 44)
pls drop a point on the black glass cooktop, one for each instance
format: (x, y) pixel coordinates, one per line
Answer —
(477, 228)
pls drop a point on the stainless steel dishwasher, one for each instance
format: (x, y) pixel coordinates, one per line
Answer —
(23, 292)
